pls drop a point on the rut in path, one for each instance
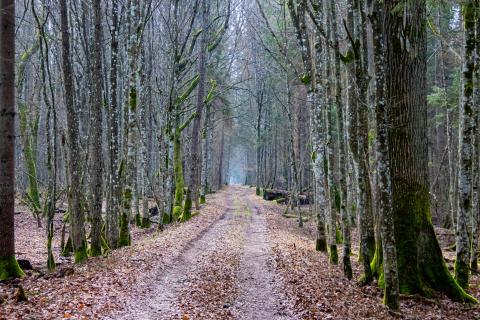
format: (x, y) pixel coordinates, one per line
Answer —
(258, 296)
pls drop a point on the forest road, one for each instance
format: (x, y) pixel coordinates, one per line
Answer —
(224, 274)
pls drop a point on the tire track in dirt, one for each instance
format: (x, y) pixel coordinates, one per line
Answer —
(260, 294)
(167, 292)
(224, 273)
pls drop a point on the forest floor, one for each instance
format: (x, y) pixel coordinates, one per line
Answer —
(238, 259)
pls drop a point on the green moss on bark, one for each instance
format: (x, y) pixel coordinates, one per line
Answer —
(9, 268)
(461, 274)
(202, 199)
(187, 207)
(138, 220)
(51, 262)
(333, 254)
(421, 266)
(68, 248)
(167, 218)
(338, 236)
(178, 172)
(95, 250)
(177, 212)
(124, 237)
(347, 265)
(81, 254)
(321, 245)
(145, 223)
(377, 262)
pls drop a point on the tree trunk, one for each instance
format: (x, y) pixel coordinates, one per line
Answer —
(387, 234)
(75, 188)
(420, 262)
(476, 97)
(195, 160)
(365, 209)
(343, 155)
(96, 175)
(466, 152)
(205, 155)
(178, 172)
(130, 169)
(112, 226)
(8, 264)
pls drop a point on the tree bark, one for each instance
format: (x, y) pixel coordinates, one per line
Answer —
(420, 262)
(466, 151)
(75, 189)
(476, 97)
(96, 175)
(112, 222)
(387, 234)
(8, 264)
(195, 159)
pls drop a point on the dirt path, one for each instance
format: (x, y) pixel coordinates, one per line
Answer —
(223, 273)
(260, 296)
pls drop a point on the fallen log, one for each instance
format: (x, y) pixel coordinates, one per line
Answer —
(283, 196)
(272, 194)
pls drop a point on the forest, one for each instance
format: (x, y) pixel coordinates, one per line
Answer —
(239, 159)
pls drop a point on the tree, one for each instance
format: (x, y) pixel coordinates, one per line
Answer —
(8, 264)
(195, 159)
(387, 234)
(342, 136)
(74, 190)
(421, 266)
(466, 150)
(96, 167)
(114, 194)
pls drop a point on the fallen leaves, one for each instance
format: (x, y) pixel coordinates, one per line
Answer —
(199, 266)
(320, 291)
(101, 286)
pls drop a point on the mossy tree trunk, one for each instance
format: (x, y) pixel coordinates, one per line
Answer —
(178, 173)
(318, 160)
(75, 189)
(343, 154)
(358, 101)
(8, 264)
(204, 189)
(476, 97)
(96, 167)
(386, 250)
(421, 266)
(330, 123)
(195, 159)
(466, 151)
